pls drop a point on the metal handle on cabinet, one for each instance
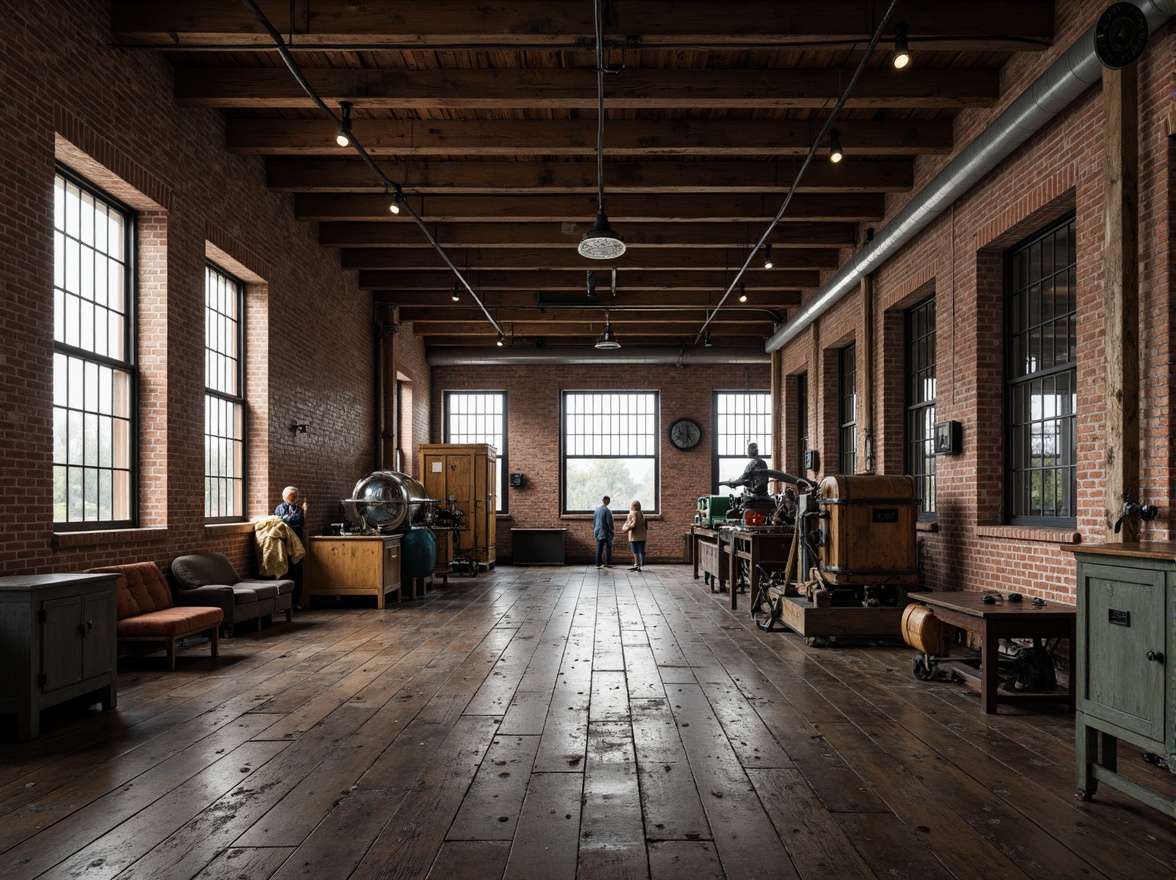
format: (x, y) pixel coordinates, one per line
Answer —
(84, 628)
(1155, 656)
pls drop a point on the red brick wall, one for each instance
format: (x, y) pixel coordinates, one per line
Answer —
(959, 256)
(310, 343)
(533, 402)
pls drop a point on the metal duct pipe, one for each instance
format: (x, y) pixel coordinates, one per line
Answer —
(1067, 78)
(684, 357)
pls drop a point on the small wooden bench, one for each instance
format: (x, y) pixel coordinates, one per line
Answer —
(146, 612)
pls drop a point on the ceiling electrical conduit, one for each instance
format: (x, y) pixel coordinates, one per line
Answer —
(1066, 79)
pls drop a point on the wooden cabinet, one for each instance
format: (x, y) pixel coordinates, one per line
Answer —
(353, 565)
(57, 642)
(468, 472)
(1126, 647)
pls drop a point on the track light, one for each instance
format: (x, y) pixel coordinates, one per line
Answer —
(706, 339)
(591, 284)
(395, 206)
(455, 296)
(902, 54)
(768, 256)
(835, 154)
(742, 292)
(607, 339)
(501, 340)
(343, 137)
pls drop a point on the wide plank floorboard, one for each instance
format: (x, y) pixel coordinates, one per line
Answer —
(557, 723)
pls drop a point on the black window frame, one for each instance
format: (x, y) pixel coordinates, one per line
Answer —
(503, 451)
(237, 401)
(1022, 318)
(126, 365)
(723, 439)
(802, 424)
(653, 437)
(847, 409)
(920, 402)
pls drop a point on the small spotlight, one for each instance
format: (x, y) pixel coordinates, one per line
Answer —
(455, 296)
(742, 292)
(835, 154)
(768, 256)
(501, 340)
(343, 137)
(902, 53)
(706, 339)
(591, 284)
(395, 206)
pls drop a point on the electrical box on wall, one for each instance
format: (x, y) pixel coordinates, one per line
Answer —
(811, 460)
(516, 481)
(948, 438)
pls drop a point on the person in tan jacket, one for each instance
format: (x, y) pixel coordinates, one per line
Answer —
(636, 526)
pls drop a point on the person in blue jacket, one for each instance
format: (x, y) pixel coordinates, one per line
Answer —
(602, 530)
(293, 513)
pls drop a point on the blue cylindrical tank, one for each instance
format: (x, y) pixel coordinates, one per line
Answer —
(418, 553)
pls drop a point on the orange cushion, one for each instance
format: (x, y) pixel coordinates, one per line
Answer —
(170, 622)
(141, 589)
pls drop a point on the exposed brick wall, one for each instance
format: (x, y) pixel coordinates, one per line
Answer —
(960, 257)
(309, 349)
(534, 441)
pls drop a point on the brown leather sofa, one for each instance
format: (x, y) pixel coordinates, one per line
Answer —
(147, 612)
(210, 579)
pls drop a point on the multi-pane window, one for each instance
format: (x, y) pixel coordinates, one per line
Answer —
(480, 417)
(1041, 388)
(224, 401)
(93, 364)
(847, 408)
(609, 448)
(740, 417)
(802, 421)
(920, 403)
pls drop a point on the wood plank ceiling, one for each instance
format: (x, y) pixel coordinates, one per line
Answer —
(486, 113)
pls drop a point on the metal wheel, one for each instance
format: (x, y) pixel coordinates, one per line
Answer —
(920, 668)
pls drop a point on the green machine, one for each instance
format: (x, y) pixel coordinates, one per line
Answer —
(712, 510)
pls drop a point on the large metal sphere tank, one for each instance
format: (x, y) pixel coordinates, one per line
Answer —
(389, 501)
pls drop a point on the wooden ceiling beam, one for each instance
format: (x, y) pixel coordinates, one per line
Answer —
(1007, 24)
(706, 234)
(648, 329)
(436, 301)
(649, 279)
(577, 137)
(569, 258)
(347, 175)
(624, 207)
(618, 315)
(541, 89)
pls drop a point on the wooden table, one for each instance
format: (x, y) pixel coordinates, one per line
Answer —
(707, 557)
(768, 548)
(1003, 620)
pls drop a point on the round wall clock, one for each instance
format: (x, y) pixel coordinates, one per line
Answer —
(685, 433)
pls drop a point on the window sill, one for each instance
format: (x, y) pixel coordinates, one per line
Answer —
(107, 537)
(926, 525)
(1026, 533)
(212, 530)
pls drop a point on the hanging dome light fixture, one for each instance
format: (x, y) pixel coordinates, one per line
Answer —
(600, 242)
(607, 339)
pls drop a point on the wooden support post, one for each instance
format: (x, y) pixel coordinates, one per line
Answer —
(777, 398)
(1121, 295)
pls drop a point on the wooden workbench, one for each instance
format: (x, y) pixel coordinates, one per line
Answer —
(1003, 620)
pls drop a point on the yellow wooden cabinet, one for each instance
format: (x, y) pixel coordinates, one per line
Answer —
(353, 565)
(468, 472)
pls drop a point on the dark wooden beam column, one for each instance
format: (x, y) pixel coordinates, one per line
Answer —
(1121, 295)
(865, 367)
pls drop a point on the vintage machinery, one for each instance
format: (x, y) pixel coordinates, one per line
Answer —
(388, 502)
(712, 511)
(856, 559)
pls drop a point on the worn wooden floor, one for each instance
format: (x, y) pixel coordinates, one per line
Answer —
(557, 723)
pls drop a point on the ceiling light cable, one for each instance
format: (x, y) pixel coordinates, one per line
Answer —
(600, 242)
(296, 72)
(857, 74)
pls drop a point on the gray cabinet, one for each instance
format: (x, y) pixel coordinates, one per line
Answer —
(57, 642)
(1126, 647)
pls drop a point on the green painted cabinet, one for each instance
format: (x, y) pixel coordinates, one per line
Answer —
(1126, 648)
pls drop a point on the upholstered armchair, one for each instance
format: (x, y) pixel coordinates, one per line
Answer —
(210, 579)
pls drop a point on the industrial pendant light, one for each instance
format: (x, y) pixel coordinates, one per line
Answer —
(343, 137)
(902, 53)
(600, 242)
(607, 338)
